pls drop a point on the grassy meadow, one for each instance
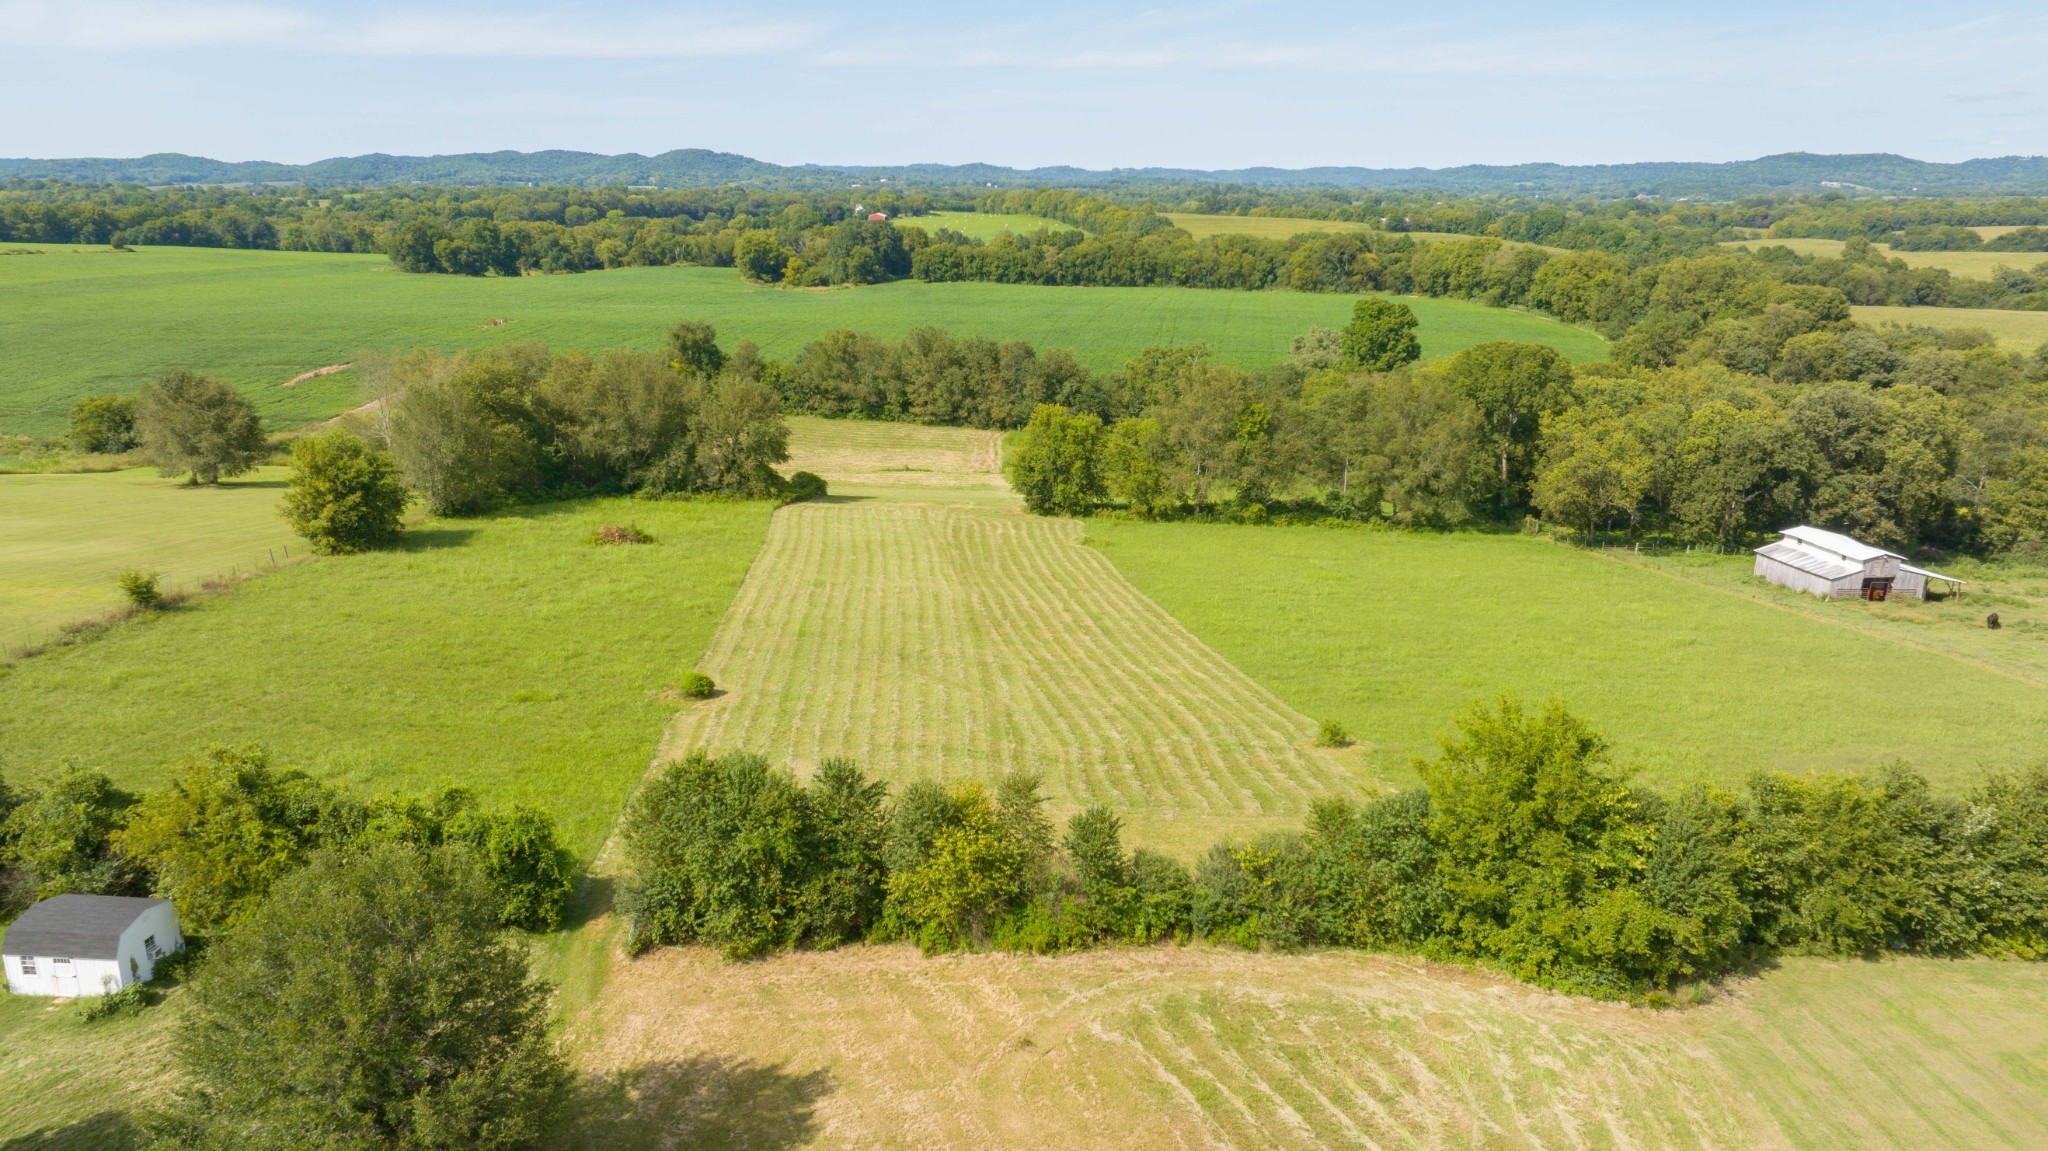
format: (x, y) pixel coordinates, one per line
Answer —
(69, 535)
(983, 225)
(1964, 265)
(77, 321)
(506, 654)
(2015, 331)
(1395, 633)
(1202, 225)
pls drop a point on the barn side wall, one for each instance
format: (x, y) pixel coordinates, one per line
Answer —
(1788, 576)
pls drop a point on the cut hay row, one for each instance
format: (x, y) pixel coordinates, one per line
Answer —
(945, 641)
(1167, 1048)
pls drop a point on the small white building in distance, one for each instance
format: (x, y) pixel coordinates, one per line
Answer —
(1833, 566)
(72, 945)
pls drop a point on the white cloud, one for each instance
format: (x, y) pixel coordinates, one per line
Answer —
(149, 25)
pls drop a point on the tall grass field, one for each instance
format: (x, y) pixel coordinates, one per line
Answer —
(77, 321)
(1394, 634)
(2015, 331)
(1964, 265)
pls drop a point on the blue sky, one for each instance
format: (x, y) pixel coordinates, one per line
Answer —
(1200, 85)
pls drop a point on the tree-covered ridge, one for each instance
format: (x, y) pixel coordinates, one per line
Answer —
(1787, 172)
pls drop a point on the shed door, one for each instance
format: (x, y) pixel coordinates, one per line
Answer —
(1877, 587)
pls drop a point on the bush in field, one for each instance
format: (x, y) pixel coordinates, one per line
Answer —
(103, 424)
(198, 427)
(803, 486)
(370, 1001)
(1331, 733)
(613, 535)
(141, 590)
(697, 685)
(344, 496)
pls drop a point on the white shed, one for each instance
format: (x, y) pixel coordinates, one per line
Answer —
(1831, 565)
(73, 945)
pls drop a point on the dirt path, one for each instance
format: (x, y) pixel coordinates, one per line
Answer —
(315, 374)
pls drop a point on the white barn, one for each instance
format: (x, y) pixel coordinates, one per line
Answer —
(1834, 566)
(72, 945)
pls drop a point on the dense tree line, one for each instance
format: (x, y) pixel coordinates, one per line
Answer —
(1908, 438)
(1524, 848)
(477, 430)
(228, 826)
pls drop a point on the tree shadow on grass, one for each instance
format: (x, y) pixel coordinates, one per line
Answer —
(434, 538)
(705, 1102)
(106, 1131)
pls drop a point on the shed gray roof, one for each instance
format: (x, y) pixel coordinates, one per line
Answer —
(75, 926)
(1792, 555)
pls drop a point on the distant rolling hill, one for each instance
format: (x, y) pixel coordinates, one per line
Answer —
(697, 167)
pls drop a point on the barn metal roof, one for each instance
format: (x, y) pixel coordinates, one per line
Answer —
(1794, 555)
(1928, 574)
(1837, 543)
(75, 926)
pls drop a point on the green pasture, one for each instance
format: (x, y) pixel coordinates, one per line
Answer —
(507, 654)
(984, 225)
(1394, 634)
(1202, 225)
(1964, 265)
(68, 536)
(2015, 331)
(77, 321)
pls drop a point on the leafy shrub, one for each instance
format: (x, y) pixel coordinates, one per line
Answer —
(1331, 733)
(103, 424)
(970, 873)
(197, 426)
(616, 534)
(141, 590)
(127, 1001)
(60, 837)
(344, 496)
(522, 858)
(697, 685)
(803, 486)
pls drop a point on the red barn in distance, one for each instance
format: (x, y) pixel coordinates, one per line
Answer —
(877, 216)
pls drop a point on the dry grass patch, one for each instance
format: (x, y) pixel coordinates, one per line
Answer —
(861, 454)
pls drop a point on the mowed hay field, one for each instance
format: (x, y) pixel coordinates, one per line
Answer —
(946, 640)
(77, 321)
(1204, 1047)
(507, 654)
(983, 225)
(1396, 633)
(68, 537)
(2015, 331)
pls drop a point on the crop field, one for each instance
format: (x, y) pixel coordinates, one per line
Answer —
(508, 655)
(1966, 265)
(2015, 331)
(69, 536)
(1201, 1047)
(1201, 225)
(945, 640)
(77, 321)
(984, 225)
(1394, 634)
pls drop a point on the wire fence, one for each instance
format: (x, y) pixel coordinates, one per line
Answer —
(42, 636)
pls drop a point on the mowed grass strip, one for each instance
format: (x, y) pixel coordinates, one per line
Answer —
(931, 640)
(508, 655)
(984, 226)
(1396, 633)
(76, 322)
(1907, 1053)
(1154, 1048)
(68, 537)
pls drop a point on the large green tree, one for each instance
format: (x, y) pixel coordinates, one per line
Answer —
(344, 496)
(369, 1002)
(1514, 385)
(1380, 336)
(1058, 466)
(198, 427)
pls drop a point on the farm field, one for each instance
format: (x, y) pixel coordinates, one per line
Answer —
(1201, 225)
(507, 655)
(1967, 265)
(1394, 634)
(293, 312)
(2015, 331)
(69, 535)
(983, 225)
(874, 458)
(932, 632)
(1177, 1047)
